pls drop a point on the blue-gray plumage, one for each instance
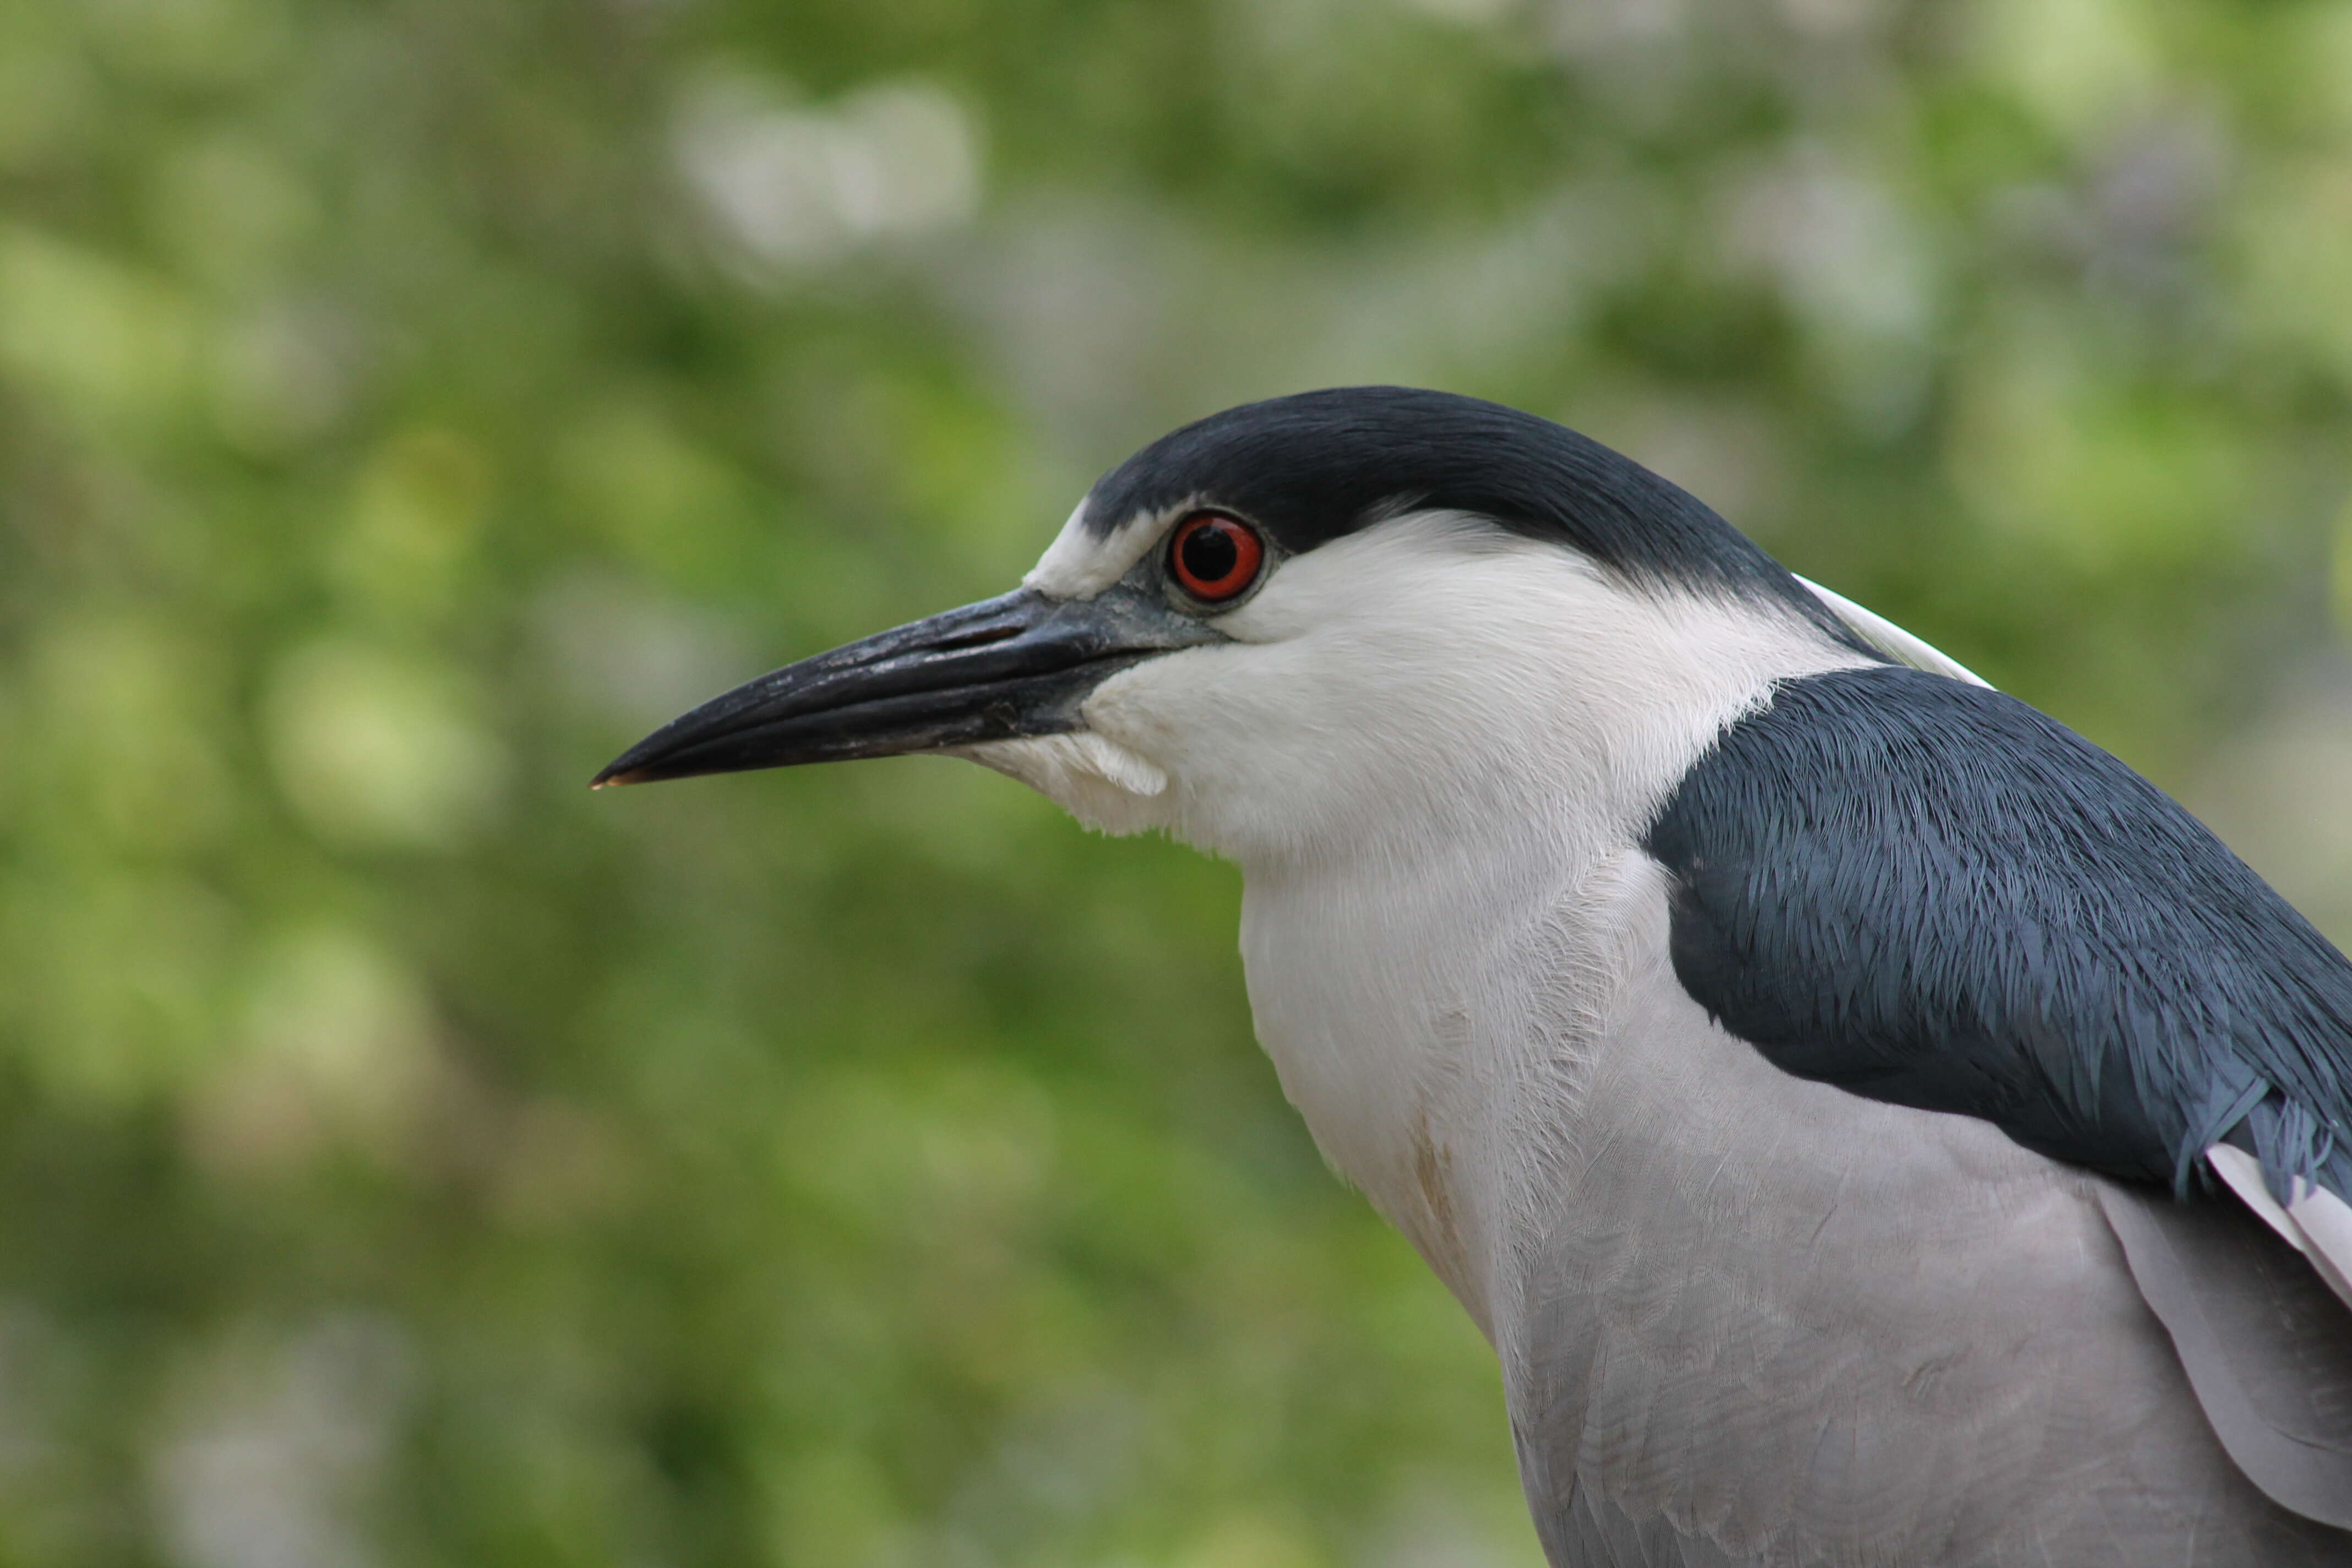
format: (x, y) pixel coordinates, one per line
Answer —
(1929, 894)
(1873, 1125)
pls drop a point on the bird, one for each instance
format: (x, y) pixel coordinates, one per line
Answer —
(1871, 1123)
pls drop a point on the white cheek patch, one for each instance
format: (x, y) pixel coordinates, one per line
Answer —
(1382, 573)
(1434, 675)
(1080, 563)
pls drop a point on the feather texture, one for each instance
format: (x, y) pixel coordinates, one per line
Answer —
(2314, 1221)
(2266, 1346)
(1627, 930)
(1892, 640)
(1767, 1322)
(1925, 891)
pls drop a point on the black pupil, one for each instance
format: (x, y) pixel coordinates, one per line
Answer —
(1209, 552)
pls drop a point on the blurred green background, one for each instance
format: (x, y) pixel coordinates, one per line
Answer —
(407, 1157)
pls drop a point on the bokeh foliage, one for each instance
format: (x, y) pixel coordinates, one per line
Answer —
(407, 1157)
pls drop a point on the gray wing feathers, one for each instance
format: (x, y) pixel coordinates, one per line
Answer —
(1764, 1321)
(2326, 1226)
(2242, 1174)
(2314, 1221)
(2267, 1348)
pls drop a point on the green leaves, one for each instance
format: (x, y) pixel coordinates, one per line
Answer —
(405, 1157)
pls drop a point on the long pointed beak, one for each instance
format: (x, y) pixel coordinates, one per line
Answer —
(1018, 664)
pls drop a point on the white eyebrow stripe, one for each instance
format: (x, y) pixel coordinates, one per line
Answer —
(1080, 563)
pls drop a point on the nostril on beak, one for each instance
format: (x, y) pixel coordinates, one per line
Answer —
(978, 636)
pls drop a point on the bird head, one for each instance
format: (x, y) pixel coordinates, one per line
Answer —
(1335, 619)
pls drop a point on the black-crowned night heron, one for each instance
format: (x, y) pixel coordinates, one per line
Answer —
(1872, 1123)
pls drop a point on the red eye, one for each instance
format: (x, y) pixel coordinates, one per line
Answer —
(1215, 556)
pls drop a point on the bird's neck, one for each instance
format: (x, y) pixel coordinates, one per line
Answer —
(1424, 966)
(1409, 1005)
